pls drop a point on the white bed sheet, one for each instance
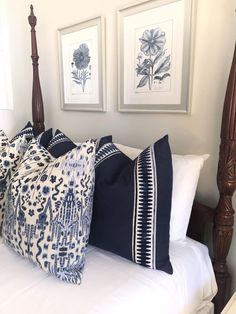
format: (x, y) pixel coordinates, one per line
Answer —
(111, 285)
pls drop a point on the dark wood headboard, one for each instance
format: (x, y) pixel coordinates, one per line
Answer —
(222, 217)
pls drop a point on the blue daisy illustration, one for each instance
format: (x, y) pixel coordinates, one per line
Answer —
(81, 68)
(153, 64)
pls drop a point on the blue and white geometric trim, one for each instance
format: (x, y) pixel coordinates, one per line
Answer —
(28, 132)
(105, 152)
(57, 139)
(145, 210)
(132, 204)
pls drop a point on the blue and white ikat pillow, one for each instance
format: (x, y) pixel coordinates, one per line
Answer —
(49, 209)
(11, 153)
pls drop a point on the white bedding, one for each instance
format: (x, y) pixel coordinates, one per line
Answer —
(111, 285)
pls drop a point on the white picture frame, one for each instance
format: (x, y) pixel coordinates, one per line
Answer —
(82, 65)
(154, 56)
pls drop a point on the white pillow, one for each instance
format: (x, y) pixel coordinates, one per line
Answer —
(186, 171)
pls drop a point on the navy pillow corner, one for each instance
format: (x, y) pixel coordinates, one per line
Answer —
(60, 144)
(28, 131)
(132, 204)
(45, 138)
(102, 141)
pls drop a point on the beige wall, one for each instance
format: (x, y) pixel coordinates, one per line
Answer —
(195, 133)
(12, 120)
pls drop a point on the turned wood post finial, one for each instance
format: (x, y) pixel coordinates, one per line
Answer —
(37, 100)
(32, 18)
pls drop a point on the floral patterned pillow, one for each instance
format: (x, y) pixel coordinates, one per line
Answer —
(49, 210)
(11, 153)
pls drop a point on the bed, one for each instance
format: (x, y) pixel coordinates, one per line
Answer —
(112, 284)
(125, 288)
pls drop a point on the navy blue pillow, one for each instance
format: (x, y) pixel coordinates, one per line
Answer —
(61, 144)
(132, 204)
(46, 137)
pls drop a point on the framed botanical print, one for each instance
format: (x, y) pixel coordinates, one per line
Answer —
(82, 66)
(154, 53)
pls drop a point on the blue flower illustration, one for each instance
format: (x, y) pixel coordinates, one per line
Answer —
(81, 69)
(152, 41)
(81, 57)
(152, 62)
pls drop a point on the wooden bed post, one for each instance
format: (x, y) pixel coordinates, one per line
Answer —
(226, 181)
(37, 100)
